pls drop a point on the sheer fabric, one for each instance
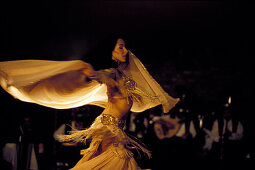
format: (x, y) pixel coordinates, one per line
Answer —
(154, 94)
(112, 158)
(55, 84)
(61, 84)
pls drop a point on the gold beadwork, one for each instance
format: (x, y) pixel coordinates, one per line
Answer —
(129, 84)
(107, 119)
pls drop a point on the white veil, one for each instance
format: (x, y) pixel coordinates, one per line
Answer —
(61, 84)
(154, 94)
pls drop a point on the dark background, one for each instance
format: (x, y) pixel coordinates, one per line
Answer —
(205, 47)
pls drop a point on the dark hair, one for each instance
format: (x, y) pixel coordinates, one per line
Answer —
(101, 56)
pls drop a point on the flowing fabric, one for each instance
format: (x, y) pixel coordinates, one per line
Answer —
(61, 84)
(147, 84)
(55, 84)
(107, 160)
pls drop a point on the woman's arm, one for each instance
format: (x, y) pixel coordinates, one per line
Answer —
(105, 76)
(88, 70)
(102, 76)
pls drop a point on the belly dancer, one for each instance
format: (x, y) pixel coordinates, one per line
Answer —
(69, 84)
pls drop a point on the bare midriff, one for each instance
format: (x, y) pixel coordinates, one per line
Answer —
(118, 107)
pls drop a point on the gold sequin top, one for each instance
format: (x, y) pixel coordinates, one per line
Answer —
(120, 85)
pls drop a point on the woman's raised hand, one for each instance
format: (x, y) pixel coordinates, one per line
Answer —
(88, 70)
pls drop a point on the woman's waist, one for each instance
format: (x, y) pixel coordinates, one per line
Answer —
(119, 113)
(118, 108)
(110, 119)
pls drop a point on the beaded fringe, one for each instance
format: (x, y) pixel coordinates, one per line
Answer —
(99, 133)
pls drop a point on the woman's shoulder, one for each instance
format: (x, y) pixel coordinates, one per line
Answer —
(111, 70)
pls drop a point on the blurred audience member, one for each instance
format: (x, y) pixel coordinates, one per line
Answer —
(68, 154)
(21, 153)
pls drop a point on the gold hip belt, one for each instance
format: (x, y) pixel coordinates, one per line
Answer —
(107, 119)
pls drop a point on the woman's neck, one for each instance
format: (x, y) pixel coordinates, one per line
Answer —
(122, 66)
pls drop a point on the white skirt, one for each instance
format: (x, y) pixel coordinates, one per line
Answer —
(109, 148)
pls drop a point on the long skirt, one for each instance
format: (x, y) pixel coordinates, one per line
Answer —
(109, 148)
(112, 158)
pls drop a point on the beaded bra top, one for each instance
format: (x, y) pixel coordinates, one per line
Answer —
(131, 89)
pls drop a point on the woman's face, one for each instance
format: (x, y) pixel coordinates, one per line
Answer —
(120, 52)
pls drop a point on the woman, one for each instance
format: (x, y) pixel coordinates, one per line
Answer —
(68, 84)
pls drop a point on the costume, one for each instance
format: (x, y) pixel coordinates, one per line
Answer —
(62, 85)
(107, 129)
